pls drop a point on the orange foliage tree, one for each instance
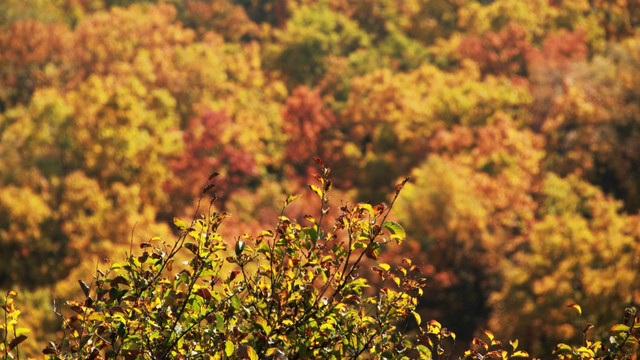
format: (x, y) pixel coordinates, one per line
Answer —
(518, 120)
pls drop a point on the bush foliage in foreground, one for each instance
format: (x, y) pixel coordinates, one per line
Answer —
(288, 293)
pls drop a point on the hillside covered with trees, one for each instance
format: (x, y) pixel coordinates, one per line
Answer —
(517, 121)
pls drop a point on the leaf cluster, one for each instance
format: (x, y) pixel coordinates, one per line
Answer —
(291, 292)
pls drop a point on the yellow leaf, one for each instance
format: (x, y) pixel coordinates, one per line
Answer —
(488, 334)
(253, 355)
(520, 353)
(229, 348)
(316, 190)
(619, 328)
(417, 316)
(577, 307)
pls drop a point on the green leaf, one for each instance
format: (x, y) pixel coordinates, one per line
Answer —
(265, 326)
(366, 207)
(22, 331)
(424, 351)
(358, 284)
(325, 327)
(373, 251)
(220, 323)
(263, 248)
(397, 232)
(229, 348)
(239, 247)
(583, 350)
(235, 302)
(311, 233)
(179, 223)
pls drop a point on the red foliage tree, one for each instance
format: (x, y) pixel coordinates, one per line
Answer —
(209, 147)
(499, 53)
(305, 121)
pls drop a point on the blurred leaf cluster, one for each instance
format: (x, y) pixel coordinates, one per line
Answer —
(517, 121)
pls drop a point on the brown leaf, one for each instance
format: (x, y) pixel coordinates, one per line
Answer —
(93, 354)
(401, 185)
(17, 340)
(318, 161)
(205, 293)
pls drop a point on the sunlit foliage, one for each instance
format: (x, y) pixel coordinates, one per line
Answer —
(518, 121)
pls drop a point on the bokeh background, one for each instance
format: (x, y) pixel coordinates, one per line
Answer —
(519, 122)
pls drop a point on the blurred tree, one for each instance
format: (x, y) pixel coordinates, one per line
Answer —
(548, 67)
(619, 17)
(211, 145)
(580, 249)
(469, 207)
(43, 11)
(273, 12)
(306, 122)
(389, 118)
(592, 126)
(96, 153)
(33, 55)
(534, 17)
(501, 53)
(313, 33)
(223, 17)
(114, 113)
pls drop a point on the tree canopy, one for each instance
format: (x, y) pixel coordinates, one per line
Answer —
(516, 120)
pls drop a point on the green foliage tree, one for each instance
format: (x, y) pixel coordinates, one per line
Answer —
(313, 33)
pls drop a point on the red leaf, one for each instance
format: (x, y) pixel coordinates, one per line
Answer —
(233, 274)
(318, 161)
(205, 293)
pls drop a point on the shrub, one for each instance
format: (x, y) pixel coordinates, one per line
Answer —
(10, 334)
(291, 292)
(287, 293)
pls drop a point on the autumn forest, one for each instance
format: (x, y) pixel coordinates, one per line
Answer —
(518, 123)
